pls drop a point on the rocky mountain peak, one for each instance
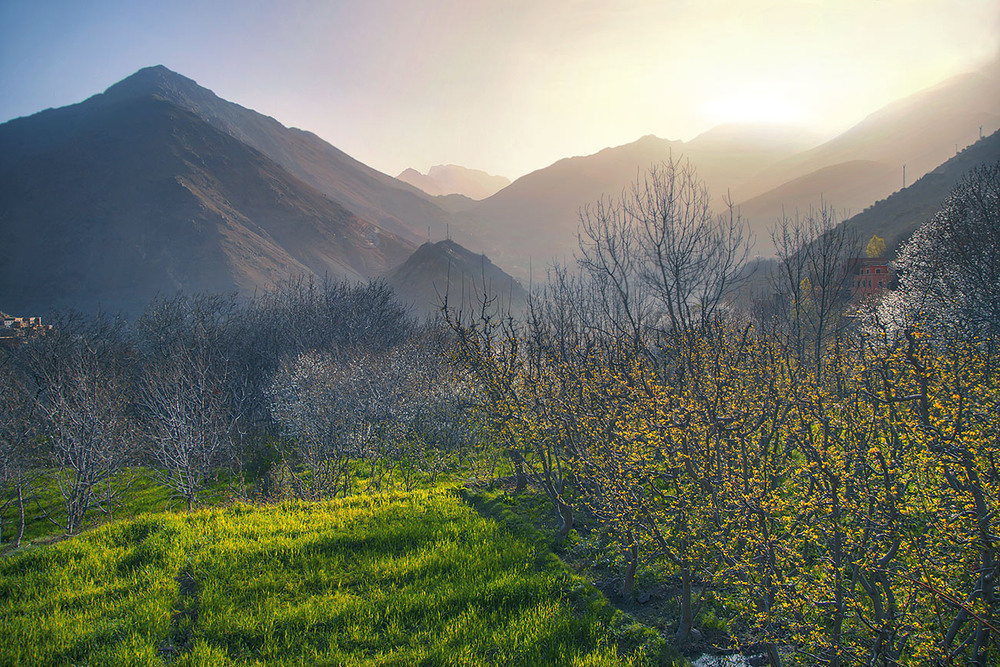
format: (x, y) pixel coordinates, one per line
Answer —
(156, 81)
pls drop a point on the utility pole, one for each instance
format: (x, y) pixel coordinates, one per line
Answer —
(904, 175)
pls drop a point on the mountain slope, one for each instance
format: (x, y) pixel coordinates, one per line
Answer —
(114, 202)
(921, 130)
(865, 163)
(898, 216)
(445, 268)
(852, 181)
(370, 194)
(538, 214)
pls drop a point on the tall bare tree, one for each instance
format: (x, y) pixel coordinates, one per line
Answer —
(18, 430)
(811, 281)
(663, 259)
(190, 398)
(81, 371)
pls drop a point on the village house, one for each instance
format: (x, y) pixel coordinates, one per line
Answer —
(867, 276)
(16, 330)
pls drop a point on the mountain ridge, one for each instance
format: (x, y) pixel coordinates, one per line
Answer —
(537, 216)
(353, 221)
(396, 206)
(141, 197)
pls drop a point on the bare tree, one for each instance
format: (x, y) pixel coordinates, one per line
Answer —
(811, 280)
(663, 267)
(189, 397)
(663, 260)
(314, 427)
(305, 316)
(18, 430)
(188, 418)
(514, 365)
(81, 371)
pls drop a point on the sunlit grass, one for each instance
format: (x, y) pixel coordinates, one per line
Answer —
(137, 492)
(409, 578)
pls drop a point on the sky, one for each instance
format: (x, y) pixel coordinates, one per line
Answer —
(507, 86)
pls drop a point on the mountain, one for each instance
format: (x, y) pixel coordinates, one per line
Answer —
(450, 179)
(865, 163)
(158, 184)
(370, 194)
(844, 183)
(896, 217)
(766, 139)
(446, 268)
(537, 215)
(124, 196)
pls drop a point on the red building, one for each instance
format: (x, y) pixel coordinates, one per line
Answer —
(867, 276)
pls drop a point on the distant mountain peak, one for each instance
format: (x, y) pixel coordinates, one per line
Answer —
(158, 184)
(452, 179)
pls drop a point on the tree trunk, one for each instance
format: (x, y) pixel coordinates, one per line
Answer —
(771, 652)
(687, 620)
(20, 510)
(628, 580)
(566, 518)
(838, 595)
(518, 461)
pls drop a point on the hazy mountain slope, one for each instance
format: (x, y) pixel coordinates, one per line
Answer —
(538, 214)
(446, 268)
(921, 130)
(112, 203)
(766, 171)
(865, 163)
(372, 195)
(456, 203)
(857, 180)
(898, 216)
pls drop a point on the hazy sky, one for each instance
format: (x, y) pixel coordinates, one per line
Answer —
(508, 86)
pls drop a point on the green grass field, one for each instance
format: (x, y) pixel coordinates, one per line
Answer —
(139, 491)
(407, 579)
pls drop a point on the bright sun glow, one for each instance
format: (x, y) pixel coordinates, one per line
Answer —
(752, 108)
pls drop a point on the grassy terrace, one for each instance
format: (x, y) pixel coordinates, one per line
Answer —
(406, 579)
